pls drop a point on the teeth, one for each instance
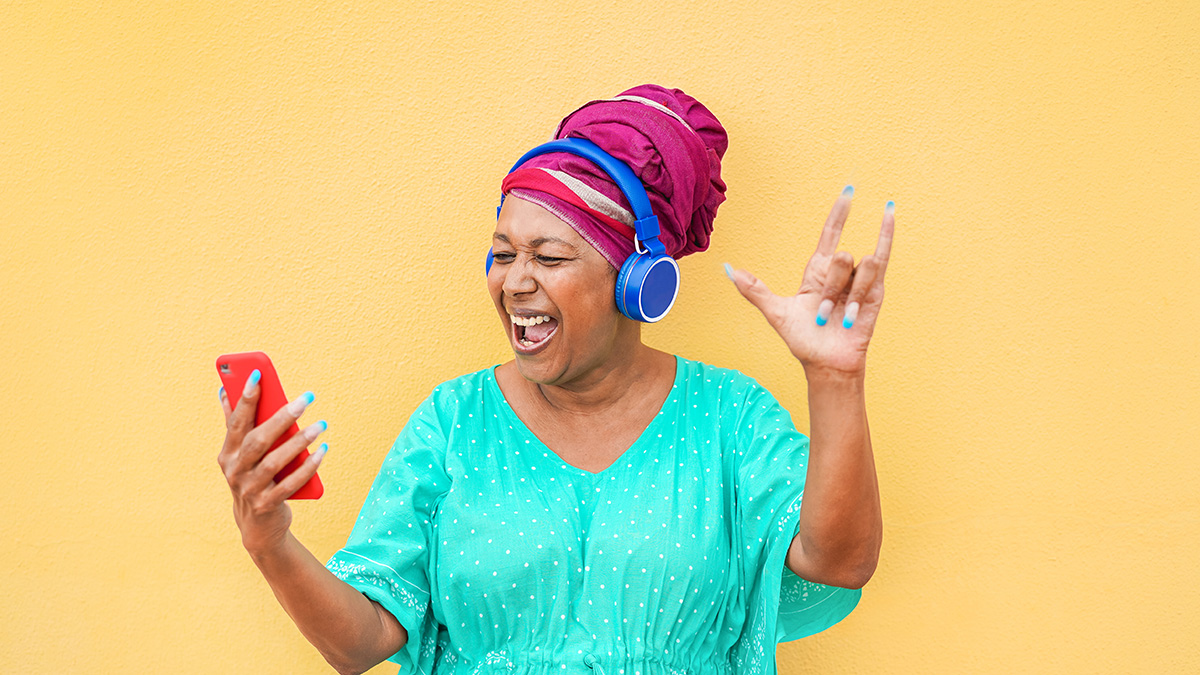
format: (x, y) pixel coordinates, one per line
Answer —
(529, 321)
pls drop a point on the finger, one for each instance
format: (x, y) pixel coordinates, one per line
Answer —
(883, 249)
(227, 447)
(864, 278)
(836, 279)
(241, 421)
(280, 457)
(833, 224)
(756, 291)
(296, 479)
(258, 441)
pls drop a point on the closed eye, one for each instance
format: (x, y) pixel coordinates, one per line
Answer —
(506, 258)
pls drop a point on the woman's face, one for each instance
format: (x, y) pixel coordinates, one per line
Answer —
(554, 293)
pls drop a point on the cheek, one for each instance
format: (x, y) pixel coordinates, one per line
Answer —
(594, 307)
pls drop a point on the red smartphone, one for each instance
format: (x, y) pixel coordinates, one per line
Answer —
(234, 370)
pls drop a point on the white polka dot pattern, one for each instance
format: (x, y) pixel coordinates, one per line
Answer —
(497, 555)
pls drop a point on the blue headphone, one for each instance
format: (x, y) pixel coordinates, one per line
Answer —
(649, 279)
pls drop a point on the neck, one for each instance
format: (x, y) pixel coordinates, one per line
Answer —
(607, 384)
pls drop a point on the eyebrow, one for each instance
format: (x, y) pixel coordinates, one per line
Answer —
(536, 242)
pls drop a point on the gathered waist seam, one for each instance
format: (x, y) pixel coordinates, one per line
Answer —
(598, 663)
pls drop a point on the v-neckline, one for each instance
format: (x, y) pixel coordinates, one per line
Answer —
(625, 455)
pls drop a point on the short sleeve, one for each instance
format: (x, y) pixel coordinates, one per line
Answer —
(772, 463)
(387, 555)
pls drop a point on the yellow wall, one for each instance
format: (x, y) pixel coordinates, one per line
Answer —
(179, 180)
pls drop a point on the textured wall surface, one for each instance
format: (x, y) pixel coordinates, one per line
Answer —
(179, 180)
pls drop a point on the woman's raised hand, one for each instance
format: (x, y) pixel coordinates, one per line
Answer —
(828, 323)
(259, 507)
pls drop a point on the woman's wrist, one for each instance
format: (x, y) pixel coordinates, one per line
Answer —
(820, 375)
(268, 553)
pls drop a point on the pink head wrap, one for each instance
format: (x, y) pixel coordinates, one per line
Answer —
(673, 144)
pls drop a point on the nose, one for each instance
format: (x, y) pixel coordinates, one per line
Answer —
(518, 276)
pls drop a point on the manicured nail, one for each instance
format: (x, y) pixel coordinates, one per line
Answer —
(729, 272)
(890, 207)
(851, 315)
(823, 312)
(315, 430)
(221, 393)
(252, 382)
(848, 191)
(320, 453)
(296, 407)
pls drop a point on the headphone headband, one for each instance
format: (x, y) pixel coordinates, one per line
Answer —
(648, 282)
(646, 223)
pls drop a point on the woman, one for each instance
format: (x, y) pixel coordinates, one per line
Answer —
(595, 505)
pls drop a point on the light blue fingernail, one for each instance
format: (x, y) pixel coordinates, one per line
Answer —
(324, 425)
(824, 310)
(308, 397)
(850, 316)
(221, 393)
(890, 206)
(729, 272)
(848, 191)
(251, 382)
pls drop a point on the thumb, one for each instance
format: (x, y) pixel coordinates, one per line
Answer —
(753, 289)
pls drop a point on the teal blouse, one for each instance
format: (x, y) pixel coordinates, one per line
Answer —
(498, 557)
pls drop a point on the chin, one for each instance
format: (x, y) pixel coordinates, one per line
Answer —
(541, 368)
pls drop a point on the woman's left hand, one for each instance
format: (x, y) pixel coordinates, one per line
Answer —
(828, 323)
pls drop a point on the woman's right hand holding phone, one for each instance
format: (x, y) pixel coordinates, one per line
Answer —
(352, 632)
(259, 503)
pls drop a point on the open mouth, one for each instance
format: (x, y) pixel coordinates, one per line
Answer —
(531, 334)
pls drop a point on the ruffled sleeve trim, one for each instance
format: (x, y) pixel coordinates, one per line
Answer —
(806, 608)
(402, 599)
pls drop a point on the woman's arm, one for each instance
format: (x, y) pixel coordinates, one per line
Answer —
(827, 326)
(351, 632)
(841, 526)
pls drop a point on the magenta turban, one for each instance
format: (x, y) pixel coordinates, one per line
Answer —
(669, 139)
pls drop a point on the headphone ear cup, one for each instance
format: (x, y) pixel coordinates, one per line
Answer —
(647, 287)
(622, 279)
